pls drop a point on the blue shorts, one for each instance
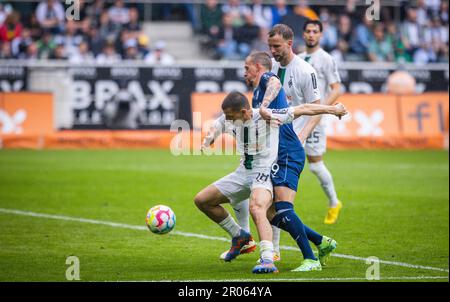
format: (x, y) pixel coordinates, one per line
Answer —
(286, 172)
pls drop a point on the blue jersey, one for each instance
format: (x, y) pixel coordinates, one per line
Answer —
(291, 155)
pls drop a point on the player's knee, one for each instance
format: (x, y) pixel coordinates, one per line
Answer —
(200, 200)
(256, 209)
(314, 167)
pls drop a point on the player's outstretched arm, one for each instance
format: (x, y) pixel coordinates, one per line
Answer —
(315, 109)
(214, 131)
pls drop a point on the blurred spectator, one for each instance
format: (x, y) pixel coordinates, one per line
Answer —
(159, 56)
(34, 26)
(245, 36)
(94, 11)
(96, 41)
(279, 10)
(107, 30)
(5, 50)
(133, 26)
(443, 12)
(11, 28)
(362, 38)
(262, 15)
(433, 5)
(143, 44)
(132, 51)
(211, 19)
(344, 32)
(70, 39)
(5, 10)
(422, 13)
(108, 55)
(411, 32)
(260, 44)
(380, 48)
(118, 14)
(236, 12)
(58, 53)
(227, 45)
(20, 44)
(330, 37)
(295, 19)
(83, 55)
(303, 9)
(46, 45)
(50, 15)
(31, 52)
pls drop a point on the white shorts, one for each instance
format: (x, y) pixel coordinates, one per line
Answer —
(316, 143)
(238, 185)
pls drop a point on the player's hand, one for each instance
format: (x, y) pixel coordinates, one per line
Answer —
(265, 114)
(340, 110)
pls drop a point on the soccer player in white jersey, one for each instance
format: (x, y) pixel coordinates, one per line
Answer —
(299, 81)
(257, 142)
(329, 86)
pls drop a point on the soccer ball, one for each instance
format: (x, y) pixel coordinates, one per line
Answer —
(160, 219)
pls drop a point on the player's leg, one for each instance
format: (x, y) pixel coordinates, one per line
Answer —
(229, 188)
(315, 148)
(241, 210)
(260, 201)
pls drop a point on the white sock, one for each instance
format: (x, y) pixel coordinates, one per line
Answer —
(276, 239)
(242, 212)
(326, 181)
(230, 226)
(266, 250)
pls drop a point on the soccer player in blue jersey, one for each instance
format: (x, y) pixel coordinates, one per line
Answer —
(258, 145)
(268, 93)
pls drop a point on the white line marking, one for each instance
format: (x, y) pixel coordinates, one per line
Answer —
(138, 227)
(299, 279)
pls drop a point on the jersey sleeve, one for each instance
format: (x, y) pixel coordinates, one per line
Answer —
(309, 85)
(331, 71)
(216, 129)
(265, 79)
(285, 115)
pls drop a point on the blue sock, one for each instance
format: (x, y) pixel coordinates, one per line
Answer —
(286, 219)
(313, 236)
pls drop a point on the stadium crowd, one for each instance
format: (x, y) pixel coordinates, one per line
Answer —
(110, 31)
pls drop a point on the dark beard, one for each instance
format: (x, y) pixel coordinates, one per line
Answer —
(312, 45)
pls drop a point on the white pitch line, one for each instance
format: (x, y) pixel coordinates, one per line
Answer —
(138, 227)
(298, 279)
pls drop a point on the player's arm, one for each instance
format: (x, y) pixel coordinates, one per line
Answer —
(287, 115)
(334, 94)
(273, 87)
(214, 131)
(311, 93)
(315, 109)
(332, 76)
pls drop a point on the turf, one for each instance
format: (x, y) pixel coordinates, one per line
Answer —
(395, 208)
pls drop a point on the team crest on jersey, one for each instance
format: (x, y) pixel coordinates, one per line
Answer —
(290, 83)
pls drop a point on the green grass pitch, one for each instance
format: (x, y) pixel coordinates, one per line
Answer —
(396, 208)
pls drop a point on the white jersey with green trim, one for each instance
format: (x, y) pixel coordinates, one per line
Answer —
(256, 140)
(299, 81)
(326, 69)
